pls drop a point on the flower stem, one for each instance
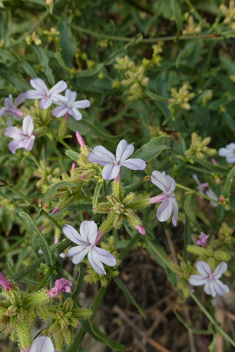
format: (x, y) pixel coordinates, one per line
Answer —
(218, 328)
(197, 193)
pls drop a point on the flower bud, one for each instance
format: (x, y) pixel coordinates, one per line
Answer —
(221, 256)
(5, 283)
(197, 250)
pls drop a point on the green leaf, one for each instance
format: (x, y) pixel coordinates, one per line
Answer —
(128, 295)
(79, 283)
(39, 2)
(54, 188)
(154, 96)
(6, 56)
(187, 237)
(44, 62)
(177, 15)
(80, 207)
(89, 72)
(39, 238)
(192, 328)
(67, 42)
(213, 168)
(228, 182)
(89, 127)
(17, 82)
(95, 332)
(187, 205)
(29, 70)
(73, 155)
(97, 193)
(149, 234)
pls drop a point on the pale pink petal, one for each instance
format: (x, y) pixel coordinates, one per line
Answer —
(20, 99)
(197, 280)
(164, 210)
(104, 256)
(160, 181)
(88, 230)
(171, 183)
(221, 268)
(42, 344)
(28, 125)
(123, 151)
(110, 171)
(96, 263)
(14, 133)
(203, 268)
(73, 235)
(134, 164)
(29, 143)
(13, 145)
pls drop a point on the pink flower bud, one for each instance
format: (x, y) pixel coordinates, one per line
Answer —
(84, 176)
(61, 285)
(26, 349)
(55, 210)
(56, 240)
(74, 166)
(213, 161)
(141, 229)
(5, 283)
(80, 139)
(42, 228)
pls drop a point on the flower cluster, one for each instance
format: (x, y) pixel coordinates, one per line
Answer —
(198, 148)
(180, 99)
(229, 13)
(191, 27)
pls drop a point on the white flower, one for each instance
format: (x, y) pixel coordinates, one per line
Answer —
(70, 106)
(42, 344)
(212, 195)
(22, 139)
(228, 152)
(169, 203)
(210, 279)
(11, 108)
(87, 244)
(47, 96)
(112, 165)
(201, 186)
(209, 192)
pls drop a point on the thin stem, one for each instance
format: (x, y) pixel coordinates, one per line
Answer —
(44, 280)
(199, 18)
(218, 328)
(130, 245)
(61, 140)
(197, 193)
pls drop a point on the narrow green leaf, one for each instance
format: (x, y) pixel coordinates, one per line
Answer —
(93, 130)
(16, 80)
(44, 61)
(149, 234)
(95, 332)
(89, 72)
(228, 182)
(39, 238)
(80, 207)
(187, 205)
(97, 193)
(187, 237)
(213, 168)
(73, 155)
(6, 56)
(67, 42)
(29, 70)
(154, 96)
(39, 2)
(128, 295)
(54, 188)
(177, 15)
(192, 328)
(79, 283)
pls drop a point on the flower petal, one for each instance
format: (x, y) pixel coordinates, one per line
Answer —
(78, 253)
(28, 125)
(110, 171)
(102, 155)
(88, 230)
(207, 288)
(14, 133)
(95, 262)
(71, 96)
(160, 180)
(230, 158)
(203, 268)
(73, 235)
(134, 164)
(42, 344)
(224, 152)
(197, 280)
(123, 151)
(20, 99)
(76, 114)
(175, 208)
(34, 94)
(164, 210)
(13, 145)
(57, 88)
(81, 104)
(59, 111)
(105, 257)
(45, 103)
(39, 85)
(221, 268)
(28, 144)
(220, 287)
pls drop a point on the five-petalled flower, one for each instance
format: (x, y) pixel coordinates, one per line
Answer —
(203, 240)
(169, 203)
(228, 152)
(112, 165)
(47, 97)
(70, 107)
(86, 242)
(61, 285)
(11, 108)
(22, 139)
(210, 279)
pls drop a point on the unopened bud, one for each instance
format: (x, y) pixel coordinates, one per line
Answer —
(221, 256)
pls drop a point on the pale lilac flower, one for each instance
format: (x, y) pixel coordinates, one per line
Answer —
(42, 344)
(22, 139)
(61, 285)
(212, 195)
(210, 279)
(11, 108)
(47, 96)
(228, 152)
(203, 240)
(201, 186)
(112, 165)
(169, 203)
(70, 107)
(87, 245)
(5, 283)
